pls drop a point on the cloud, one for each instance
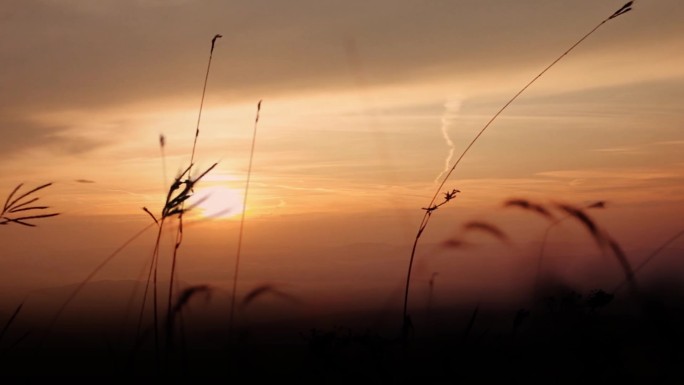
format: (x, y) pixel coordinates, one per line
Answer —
(617, 173)
(20, 135)
(76, 53)
(621, 150)
(451, 108)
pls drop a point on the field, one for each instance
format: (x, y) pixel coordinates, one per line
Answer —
(454, 192)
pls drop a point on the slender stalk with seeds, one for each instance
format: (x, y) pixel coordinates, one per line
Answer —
(181, 209)
(426, 217)
(179, 192)
(204, 91)
(242, 220)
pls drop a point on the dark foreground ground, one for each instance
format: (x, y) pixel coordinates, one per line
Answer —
(564, 337)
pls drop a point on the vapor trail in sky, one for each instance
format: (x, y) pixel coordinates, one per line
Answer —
(451, 108)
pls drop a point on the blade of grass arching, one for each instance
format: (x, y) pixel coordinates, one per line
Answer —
(426, 216)
(242, 222)
(603, 240)
(624, 262)
(90, 276)
(10, 320)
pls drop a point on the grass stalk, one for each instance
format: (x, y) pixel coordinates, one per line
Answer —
(90, 276)
(426, 217)
(242, 221)
(204, 91)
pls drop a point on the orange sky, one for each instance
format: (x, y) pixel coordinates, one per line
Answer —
(360, 103)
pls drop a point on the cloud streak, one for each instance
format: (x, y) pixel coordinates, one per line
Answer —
(451, 108)
(20, 135)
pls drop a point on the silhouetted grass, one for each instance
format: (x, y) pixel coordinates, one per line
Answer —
(242, 219)
(21, 209)
(603, 239)
(567, 343)
(9, 321)
(431, 206)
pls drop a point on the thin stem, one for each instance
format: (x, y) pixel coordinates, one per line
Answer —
(178, 241)
(242, 220)
(199, 117)
(92, 274)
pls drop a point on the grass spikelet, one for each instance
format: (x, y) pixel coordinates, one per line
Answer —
(604, 241)
(530, 206)
(583, 218)
(597, 205)
(486, 228)
(455, 243)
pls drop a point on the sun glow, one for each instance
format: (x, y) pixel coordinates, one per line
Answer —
(217, 202)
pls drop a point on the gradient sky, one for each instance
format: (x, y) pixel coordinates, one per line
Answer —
(361, 101)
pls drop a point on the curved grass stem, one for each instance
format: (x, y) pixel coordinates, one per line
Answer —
(426, 217)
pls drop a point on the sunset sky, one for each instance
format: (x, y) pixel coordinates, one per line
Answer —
(363, 102)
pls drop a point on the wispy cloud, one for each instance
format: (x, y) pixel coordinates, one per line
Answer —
(614, 173)
(451, 108)
(670, 143)
(20, 135)
(622, 150)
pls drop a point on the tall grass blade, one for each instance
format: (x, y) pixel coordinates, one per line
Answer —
(242, 221)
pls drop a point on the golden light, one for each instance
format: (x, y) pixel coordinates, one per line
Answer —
(217, 202)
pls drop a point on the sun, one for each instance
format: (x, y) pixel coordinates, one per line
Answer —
(216, 202)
